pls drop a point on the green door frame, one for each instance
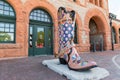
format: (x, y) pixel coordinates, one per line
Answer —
(47, 50)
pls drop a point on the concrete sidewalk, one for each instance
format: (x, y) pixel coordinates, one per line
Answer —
(31, 68)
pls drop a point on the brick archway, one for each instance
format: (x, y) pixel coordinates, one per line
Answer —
(32, 4)
(79, 27)
(102, 24)
(79, 32)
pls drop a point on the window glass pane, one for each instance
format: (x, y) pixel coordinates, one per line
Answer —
(1, 29)
(40, 38)
(6, 37)
(30, 17)
(1, 11)
(35, 14)
(38, 19)
(6, 12)
(42, 19)
(6, 4)
(11, 9)
(11, 30)
(6, 29)
(40, 15)
(5, 9)
(30, 37)
(11, 25)
(11, 14)
(1, 24)
(46, 16)
(45, 20)
(1, 7)
(1, 2)
(49, 37)
(34, 18)
(7, 25)
(31, 30)
(42, 12)
(48, 20)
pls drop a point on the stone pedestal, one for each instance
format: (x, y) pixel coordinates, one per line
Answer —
(93, 74)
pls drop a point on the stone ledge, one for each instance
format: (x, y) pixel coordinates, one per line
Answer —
(93, 74)
(10, 46)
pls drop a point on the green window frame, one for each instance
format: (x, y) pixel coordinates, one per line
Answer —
(40, 15)
(7, 23)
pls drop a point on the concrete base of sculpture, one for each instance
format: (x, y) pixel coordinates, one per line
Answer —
(93, 74)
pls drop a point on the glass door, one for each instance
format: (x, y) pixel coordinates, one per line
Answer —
(40, 43)
(40, 40)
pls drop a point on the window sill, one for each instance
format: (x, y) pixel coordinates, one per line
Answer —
(10, 46)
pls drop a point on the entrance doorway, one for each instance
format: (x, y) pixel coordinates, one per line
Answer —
(40, 33)
(96, 37)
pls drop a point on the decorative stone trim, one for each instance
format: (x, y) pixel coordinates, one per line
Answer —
(10, 46)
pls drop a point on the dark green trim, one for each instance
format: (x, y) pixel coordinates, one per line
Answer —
(9, 19)
(33, 22)
(42, 14)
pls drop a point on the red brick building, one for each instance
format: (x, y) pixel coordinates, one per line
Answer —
(30, 27)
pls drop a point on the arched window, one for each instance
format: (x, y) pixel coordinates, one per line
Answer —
(40, 15)
(114, 35)
(7, 23)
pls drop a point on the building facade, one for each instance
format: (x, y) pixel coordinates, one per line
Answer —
(30, 27)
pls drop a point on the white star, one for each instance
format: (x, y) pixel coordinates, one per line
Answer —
(66, 39)
(66, 32)
(69, 28)
(69, 35)
(66, 25)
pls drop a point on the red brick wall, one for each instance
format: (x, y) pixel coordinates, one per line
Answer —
(20, 48)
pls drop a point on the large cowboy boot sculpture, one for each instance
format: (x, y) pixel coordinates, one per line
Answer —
(67, 51)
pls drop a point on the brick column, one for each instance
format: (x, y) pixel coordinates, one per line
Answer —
(107, 40)
(117, 36)
(93, 1)
(56, 38)
(101, 3)
(78, 1)
(98, 4)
